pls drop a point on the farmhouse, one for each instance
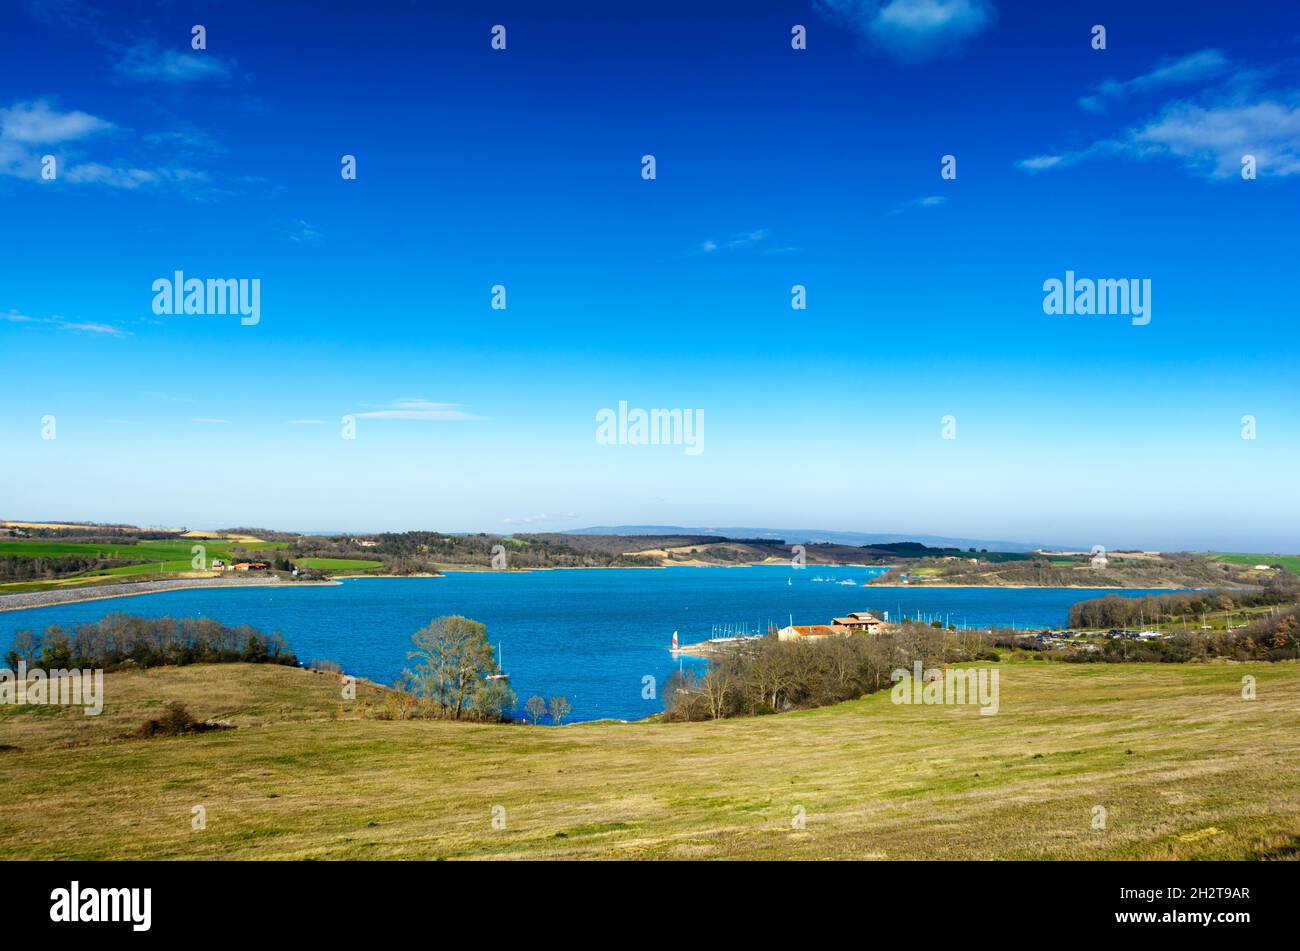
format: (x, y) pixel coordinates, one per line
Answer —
(863, 621)
(794, 632)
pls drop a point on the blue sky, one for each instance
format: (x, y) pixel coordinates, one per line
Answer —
(775, 167)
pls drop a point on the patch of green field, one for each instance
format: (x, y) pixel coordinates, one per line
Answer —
(1185, 767)
(147, 549)
(338, 564)
(1289, 562)
(162, 558)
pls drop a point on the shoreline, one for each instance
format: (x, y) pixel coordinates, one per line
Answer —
(1044, 587)
(23, 601)
(53, 598)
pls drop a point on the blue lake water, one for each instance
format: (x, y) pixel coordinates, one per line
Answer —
(591, 635)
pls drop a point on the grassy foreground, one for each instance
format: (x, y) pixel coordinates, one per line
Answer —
(1184, 767)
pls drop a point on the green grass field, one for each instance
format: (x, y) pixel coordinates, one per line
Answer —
(1183, 765)
(338, 564)
(170, 558)
(171, 551)
(1289, 562)
(163, 559)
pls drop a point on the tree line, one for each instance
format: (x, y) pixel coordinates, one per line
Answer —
(22, 568)
(127, 640)
(1118, 611)
(771, 675)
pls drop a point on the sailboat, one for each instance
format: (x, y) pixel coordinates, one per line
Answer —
(674, 650)
(500, 674)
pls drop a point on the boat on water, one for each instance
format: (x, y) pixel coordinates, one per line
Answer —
(847, 581)
(500, 674)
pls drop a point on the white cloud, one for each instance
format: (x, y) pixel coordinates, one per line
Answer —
(89, 327)
(756, 240)
(418, 409)
(115, 177)
(1209, 132)
(913, 30)
(300, 232)
(39, 123)
(146, 61)
(748, 238)
(531, 519)
(1208, 138)
(1213, 139)
(188, 140)
(28, 128)
(929, 201)
(1041, 163)
(1194, 67)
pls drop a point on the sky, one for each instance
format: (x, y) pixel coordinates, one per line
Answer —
(923, 388)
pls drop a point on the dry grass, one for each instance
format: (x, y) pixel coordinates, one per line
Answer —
(1183, 765)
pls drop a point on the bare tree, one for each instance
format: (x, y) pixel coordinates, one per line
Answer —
(536, 708)
(559, 709)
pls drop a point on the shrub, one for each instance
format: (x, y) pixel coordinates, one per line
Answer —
(175, 720)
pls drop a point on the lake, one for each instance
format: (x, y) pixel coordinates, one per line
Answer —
(591, 635)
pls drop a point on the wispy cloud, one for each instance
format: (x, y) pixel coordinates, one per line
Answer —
(1040, 163)
(928, 201)
(147, 61)
(531, 519)
(1208, 133)
(913, 30)
(1208, 139)
(37, 122)
(189, 141)
(1194, 67)
(1213, 139)
(748, 238)
(419, 409)
(127, 177)
(62, 12)
(306, 422)
(28, 128)
(754, 240)
(89, 327)
(300, 232)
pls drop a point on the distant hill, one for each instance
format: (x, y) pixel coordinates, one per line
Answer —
(808, 536)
